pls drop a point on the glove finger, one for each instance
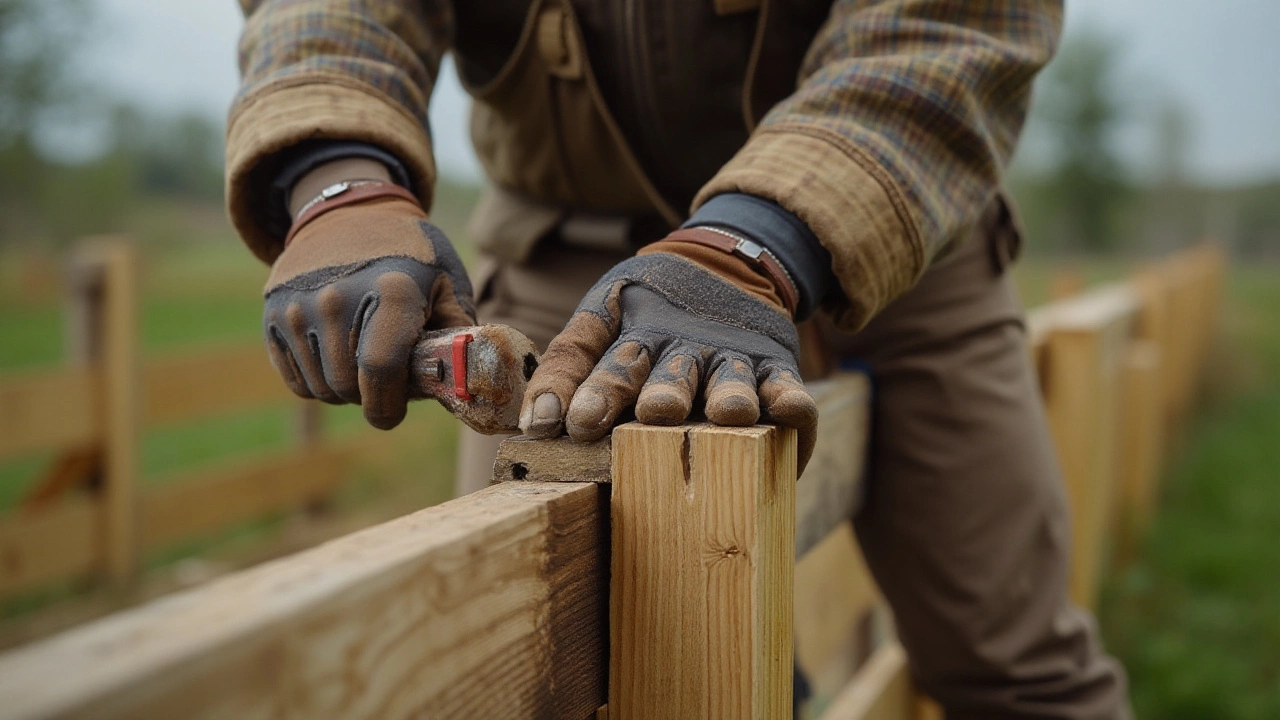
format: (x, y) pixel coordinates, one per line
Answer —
(568, 361)
(282, 360)
(787, 402)
(731, 391)
(446, 309)
(389, 328)
(667, 397)
(304, 346)
(611, 388)
(338, 339)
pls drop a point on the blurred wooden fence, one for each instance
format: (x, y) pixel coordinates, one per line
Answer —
(91, 413)
(1118, 368)
(670, 573)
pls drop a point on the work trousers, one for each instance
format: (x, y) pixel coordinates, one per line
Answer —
(964, 526)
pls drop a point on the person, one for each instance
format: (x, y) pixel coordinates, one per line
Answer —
(673, 185)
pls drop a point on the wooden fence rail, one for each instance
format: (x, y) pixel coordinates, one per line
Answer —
(654, 574)
(91, 414)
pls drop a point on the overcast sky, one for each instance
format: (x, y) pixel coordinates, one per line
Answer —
(1220, 60)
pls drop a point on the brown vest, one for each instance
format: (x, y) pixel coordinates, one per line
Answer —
(623, 107)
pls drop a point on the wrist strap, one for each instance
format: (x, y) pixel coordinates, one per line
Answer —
(341, 194)
(754, 253)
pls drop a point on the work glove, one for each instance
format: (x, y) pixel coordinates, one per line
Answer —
(666, 334)
(348, 297)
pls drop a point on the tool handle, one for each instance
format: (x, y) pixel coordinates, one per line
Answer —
(478, 373)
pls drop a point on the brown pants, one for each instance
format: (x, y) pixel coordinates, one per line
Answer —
(965, 526)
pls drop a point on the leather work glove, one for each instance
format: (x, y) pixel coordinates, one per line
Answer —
(359, 279)
(676, 326)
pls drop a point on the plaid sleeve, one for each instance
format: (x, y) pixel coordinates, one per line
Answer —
(356, 70)
(896, 138)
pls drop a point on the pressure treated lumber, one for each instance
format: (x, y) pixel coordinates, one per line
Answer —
(488, 606)
(829, 493)
(702, 572)
(561, 459)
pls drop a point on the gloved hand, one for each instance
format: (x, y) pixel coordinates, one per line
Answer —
(662, 331)
(349, 296)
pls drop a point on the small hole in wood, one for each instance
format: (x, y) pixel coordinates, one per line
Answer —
(519, 471)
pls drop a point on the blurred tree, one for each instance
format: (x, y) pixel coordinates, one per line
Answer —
(176, 156)
(1079, 100)
(38, 43)
(1172, 213)
(49, 202)
(38, 40)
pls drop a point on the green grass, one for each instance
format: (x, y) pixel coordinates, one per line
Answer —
(1197, 619)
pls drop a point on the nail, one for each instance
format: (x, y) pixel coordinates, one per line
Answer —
(546, 407)
(588, 409)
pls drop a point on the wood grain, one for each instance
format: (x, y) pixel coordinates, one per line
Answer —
(880, 691)
(47, 410)
(702, 572)
(561, 459)
(491, 605)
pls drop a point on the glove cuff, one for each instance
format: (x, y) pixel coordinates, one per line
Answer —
(742, 261)
(690, 286)
(343, 194)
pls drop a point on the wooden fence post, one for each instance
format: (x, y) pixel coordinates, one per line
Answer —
(702, 587)
(104, 323)
(1085, 347)
(1140, 448)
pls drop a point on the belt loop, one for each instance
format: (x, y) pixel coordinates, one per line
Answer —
(562, 57)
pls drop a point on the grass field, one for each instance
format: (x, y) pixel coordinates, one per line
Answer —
(1196, 619)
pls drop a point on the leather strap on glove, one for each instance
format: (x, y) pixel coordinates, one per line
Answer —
(358, 281)
(678, 326)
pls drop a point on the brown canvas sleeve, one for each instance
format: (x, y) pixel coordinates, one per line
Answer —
(896, 137)
(330, 70)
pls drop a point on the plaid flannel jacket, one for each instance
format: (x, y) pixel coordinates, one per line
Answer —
(892, 144)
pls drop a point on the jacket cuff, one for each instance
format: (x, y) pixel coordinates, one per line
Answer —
(279, 116)
(305, 157)
(846, 199)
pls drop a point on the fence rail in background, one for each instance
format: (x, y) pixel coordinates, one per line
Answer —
(91, 415)
(493, 605)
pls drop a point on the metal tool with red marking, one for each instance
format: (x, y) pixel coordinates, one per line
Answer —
(478, 373)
